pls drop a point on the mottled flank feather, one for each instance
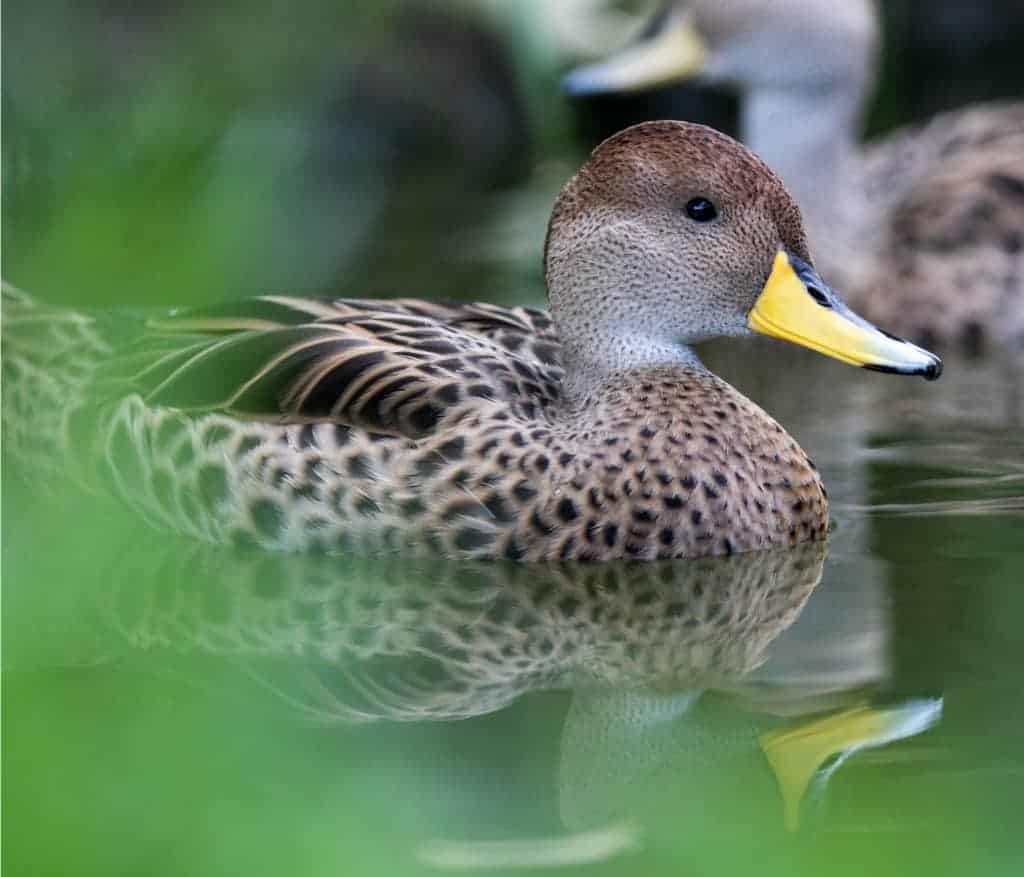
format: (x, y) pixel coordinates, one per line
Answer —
(409, 427)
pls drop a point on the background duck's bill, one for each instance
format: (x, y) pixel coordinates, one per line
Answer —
(796, 305)
(671, 52)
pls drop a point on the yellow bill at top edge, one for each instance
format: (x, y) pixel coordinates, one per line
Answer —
(800, 308)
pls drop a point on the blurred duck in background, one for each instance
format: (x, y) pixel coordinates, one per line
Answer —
(925, 230)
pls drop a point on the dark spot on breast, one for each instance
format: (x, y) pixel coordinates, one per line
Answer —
(542, 463)
(564, 459)
(480, 391)
(472, 539)
(727, 545)
(646, 516)
(627, 455)
(428, 465)
(513, 550)
(523, 491)
(567, 510)
(710, 439)
(647, 433)
(487, 447)
(675, 501)
(453, 449)
(667, 536)
(634, 549)
(267, 517)
(695, 517)
(710, 492)
(720, 479)
(688, 481)
(540, 525)
(591, 530)
(611, 534)
(498, 508)
(342, 435)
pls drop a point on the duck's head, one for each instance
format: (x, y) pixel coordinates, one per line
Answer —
(756, 45)
(672, 233)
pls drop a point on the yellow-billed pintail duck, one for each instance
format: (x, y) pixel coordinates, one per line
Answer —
(923, 231)
(470, 430)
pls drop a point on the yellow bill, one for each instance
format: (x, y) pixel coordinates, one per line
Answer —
(672, 51)
(795, 305)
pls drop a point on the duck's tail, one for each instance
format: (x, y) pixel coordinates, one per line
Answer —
(49, 358)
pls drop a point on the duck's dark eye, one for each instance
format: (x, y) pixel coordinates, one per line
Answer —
(701, 210)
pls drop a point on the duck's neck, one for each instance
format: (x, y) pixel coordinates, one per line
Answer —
(589, 372)
(809, 137)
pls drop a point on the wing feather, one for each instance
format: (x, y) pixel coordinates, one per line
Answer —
(394, 367)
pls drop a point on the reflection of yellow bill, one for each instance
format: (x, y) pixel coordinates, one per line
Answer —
(675, 51)
(795, 305)
(797, 755)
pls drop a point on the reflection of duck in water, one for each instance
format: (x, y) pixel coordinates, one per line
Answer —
(923, 231)
(474, 430)
(636, 643)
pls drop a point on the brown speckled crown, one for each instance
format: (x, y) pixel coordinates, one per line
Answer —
(466, 430)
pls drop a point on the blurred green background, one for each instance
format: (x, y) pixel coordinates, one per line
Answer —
(172, 153)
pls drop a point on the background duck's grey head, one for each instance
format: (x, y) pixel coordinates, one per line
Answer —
(802, 68)
(636, 268)
(754, 45)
